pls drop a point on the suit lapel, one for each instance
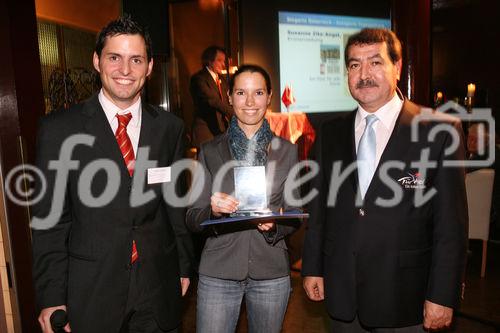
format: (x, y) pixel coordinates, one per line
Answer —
(148, 129)
(98, 126)
(211, 82)
(349, 151)
(225, 156)
(225, 89)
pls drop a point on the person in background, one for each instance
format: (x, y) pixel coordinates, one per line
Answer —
(209, 92)
(385, 266)
(246, 259)
(112, 265)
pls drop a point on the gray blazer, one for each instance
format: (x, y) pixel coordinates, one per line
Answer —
(240, 250)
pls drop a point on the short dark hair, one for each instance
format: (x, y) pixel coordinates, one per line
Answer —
(124, 25)
(210, 53)
(372, 36)
(251, 69)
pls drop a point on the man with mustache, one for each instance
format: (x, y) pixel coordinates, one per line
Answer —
(383, 259)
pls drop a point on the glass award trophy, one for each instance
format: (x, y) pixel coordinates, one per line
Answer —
(250, 191)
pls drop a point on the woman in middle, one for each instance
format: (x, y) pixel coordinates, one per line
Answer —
(246, 258)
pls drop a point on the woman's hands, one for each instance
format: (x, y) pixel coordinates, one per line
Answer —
(222, 203)
(266, 226)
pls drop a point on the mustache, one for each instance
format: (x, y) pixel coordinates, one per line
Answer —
(368, 83)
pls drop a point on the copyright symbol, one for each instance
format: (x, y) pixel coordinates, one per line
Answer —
(17, 186)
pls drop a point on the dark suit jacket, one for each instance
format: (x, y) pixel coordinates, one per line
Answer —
(236, 252)
(207, 100)
(83, 261)
(382, 263)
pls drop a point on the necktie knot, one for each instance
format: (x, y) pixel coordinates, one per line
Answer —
(124, 119)
(370, 120)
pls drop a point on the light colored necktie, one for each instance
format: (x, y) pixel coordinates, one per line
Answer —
(367, 154)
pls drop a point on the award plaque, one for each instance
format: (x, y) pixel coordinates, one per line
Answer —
(257, 218)
(250, 189)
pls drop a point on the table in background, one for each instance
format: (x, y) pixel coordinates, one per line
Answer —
(294, 127)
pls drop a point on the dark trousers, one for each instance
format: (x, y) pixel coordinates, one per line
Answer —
(355, 326)
(139, 316)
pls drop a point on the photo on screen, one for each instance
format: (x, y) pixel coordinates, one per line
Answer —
(311, 54)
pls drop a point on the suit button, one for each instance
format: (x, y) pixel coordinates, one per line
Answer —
(361, 212)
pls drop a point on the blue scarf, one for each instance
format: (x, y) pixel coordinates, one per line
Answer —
(249, 152)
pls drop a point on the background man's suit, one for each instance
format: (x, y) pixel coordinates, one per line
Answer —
(381, 264)
(84, 261)
(210, 107)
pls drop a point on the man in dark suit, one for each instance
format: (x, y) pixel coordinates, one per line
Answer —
(209, 92)
(114, 261)
(382, 248)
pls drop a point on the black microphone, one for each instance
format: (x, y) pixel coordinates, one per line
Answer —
(58, 319)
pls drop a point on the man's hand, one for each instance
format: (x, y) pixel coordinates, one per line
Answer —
(313, 285)
(44, 319)
(437, 316)
(184, 285)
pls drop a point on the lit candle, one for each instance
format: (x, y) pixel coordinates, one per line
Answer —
(471, 89)
(439, 95)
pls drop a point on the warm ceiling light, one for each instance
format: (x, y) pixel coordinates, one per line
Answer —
(209, 4)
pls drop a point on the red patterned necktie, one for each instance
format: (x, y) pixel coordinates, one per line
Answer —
(128, 156)
(124, 141)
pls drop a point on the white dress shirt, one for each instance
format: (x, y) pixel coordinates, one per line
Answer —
(133, 127)
(214, 75)
(387, 116)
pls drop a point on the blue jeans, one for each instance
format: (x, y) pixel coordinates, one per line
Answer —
(219, 301)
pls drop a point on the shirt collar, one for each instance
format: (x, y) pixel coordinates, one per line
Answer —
(110, 109)
(214, 75)
(387, 114)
